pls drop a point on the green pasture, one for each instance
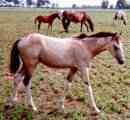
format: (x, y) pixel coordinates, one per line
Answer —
(110, 81)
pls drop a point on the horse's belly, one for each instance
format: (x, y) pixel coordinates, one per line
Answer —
(53, 60)
(57, 58)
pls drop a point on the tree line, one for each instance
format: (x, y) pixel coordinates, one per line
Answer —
(30, 2)
(120, 4)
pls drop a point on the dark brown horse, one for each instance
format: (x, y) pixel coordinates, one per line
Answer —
(49, 19)
(69, 16)
(74, 53)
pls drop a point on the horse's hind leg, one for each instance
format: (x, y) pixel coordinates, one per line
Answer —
(67, 86)
(27, 82)
(29, 68)
(19, 76)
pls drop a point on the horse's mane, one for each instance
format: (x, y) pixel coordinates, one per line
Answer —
(102, 34)
(81, 36)
(99, 34)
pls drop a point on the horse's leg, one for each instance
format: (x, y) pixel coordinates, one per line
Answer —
(19, 76)
(27, 83)
(86, 27)
(29, 69)
(39, 25)
(67, 25)
(87, 84)
(81, 26)
(114, 22)
(49, 27)
(29, 96)
(63, 23)
(67, 86)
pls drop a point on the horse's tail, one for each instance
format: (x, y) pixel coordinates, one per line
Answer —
(91, 25)
(14, 57)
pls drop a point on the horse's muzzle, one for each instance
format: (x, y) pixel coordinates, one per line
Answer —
(121, 61)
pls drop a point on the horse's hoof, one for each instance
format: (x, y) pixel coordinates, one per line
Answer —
(15, 100)
(33, 108)
(97, 110)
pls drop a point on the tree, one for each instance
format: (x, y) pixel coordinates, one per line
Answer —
(74, 6)
(104, 4)
(121, 4)
(29, 2)
(42, 2)
(16, 2)
(111, 7)
(8, 0)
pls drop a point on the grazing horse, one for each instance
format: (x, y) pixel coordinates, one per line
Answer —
(74, 53)
(76, 17)
(46, 19)
(120, 16)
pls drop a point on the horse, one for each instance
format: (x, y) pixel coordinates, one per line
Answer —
(76, 17)
(46, 19)
(120, 16)
(74, 53)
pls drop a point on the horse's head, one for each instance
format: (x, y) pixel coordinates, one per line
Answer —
(116, 48)
(56, 15)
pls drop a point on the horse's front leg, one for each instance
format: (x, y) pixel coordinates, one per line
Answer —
(87, 84)
(48, 28)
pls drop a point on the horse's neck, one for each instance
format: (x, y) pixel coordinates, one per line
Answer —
(97, 45)
(54, 16)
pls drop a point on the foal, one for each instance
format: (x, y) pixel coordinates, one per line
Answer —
(74, 53)
(46, 19)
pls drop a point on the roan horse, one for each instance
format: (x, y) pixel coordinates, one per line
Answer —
(74, 53)
(46, 19)
(120, 16)
(76, 17)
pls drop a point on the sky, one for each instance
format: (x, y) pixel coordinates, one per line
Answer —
(68, 3)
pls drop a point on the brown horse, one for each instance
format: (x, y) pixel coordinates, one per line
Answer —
(74, 53)
(76, 17)
(120, 16)
(46, 19)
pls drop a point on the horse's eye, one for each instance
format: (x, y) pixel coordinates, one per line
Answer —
(115, 47)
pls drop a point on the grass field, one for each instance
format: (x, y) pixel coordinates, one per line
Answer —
(110, 81)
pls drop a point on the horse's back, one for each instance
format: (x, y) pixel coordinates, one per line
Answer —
(45, 42)
(75, 16)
